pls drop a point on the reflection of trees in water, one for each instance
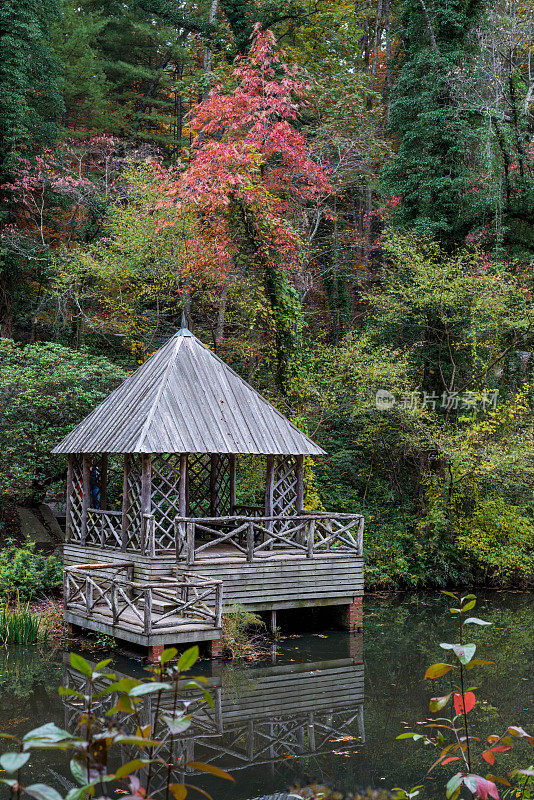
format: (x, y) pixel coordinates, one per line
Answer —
(30, 677)
(402, 635)
(21, 668)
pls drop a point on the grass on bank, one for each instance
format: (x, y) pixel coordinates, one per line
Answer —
(20, 625)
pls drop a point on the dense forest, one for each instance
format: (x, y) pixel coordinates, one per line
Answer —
(339, 196)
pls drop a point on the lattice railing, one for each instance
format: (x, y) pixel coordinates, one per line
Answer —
(104, 528)
(198, 481)
(309, 533)
(221, 489)
(165, 497)
(285, 487)
(108, 593)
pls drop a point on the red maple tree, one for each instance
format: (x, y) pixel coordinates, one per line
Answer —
(249, 160)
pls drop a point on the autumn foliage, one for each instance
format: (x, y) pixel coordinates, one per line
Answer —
(249, 155)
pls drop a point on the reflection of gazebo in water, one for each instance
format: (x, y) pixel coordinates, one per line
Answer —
(282, 718)
(181, 422)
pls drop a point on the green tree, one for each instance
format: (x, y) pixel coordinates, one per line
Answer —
(83, 80)
(30, 110)
(433, 164)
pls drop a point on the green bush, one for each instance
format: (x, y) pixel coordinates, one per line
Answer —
(28, 574)
(45, 390)
(237, 626)
(499, 538)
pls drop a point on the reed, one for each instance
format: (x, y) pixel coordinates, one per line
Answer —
(19, 625)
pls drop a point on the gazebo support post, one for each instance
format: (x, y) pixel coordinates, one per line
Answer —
(104, 481)
(146, 497)
(299, 500)
(183, 486)
(269, 491)
(69, 498)
(299, 472)
(214, 496)
(232, 466)
(86, 490)
(179, 527)
(125, 502)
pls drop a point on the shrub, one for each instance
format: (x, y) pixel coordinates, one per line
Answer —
(500, 539)
(236, 630)
(27, 573)
(45, 390)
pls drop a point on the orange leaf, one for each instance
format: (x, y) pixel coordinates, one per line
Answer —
(220, 773)
(178, 790)
(488, 756)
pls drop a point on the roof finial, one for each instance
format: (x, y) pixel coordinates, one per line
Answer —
(184, 330)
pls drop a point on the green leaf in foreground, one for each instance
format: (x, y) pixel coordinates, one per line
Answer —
(79, 663)
(131, 766)
(464, 653)
(188, 658)
(149, 688)
(437, 703)
(40, 791)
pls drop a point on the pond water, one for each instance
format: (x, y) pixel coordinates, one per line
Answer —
(323, 705)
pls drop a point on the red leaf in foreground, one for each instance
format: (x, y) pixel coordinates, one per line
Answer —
(464, 703)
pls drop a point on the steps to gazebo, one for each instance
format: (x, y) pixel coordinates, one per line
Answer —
(180, 424)
(106, 598)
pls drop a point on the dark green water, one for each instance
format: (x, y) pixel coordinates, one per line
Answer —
(319, 706)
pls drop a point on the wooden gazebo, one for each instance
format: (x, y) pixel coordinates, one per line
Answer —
(176, 429)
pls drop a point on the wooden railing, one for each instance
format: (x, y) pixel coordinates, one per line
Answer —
(104, 528)
(108, 593)
(251, 534)
(311, 533)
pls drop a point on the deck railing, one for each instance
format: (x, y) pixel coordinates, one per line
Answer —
(251, 534)
(104, 528)
(256, 537)
(108, 593)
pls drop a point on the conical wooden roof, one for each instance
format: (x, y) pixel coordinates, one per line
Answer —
(184, 399)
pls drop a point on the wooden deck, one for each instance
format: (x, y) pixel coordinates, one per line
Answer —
(177, 631)
(275, 580)
(105, 597)
(260, 563)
